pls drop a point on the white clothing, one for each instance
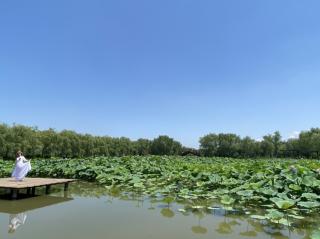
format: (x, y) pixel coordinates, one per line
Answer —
(15, 220)
(21, 169)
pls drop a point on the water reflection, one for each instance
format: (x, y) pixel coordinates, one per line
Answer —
(198, 229)
(211, 217)
(108, 208)
(227, 220)
(167, 212)
(17, 210)
(15, 220)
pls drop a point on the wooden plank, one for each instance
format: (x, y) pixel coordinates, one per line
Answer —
(11, 183)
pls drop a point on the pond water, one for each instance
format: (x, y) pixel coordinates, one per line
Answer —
(87, 211)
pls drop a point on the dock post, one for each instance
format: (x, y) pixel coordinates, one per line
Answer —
(33, 191)
(28, 191)
(14, 193)
(65, 194)
(66, 186)
(47, 189)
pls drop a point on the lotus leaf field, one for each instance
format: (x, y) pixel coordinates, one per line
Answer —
(287, 189)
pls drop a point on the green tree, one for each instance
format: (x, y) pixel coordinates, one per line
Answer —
(142, 147)
(276, 139)
(229, 145)
(223, 145)
(209, 145)
(248, 148)
(164, 145)
(267, 146)
(309, 142)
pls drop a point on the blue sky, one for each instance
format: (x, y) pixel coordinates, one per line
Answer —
(145, 68)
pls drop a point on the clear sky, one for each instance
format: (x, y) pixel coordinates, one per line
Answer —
(145, 68)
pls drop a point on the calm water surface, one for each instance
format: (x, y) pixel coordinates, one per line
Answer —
(87, 211)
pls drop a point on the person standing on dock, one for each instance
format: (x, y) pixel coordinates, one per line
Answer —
(22, 167)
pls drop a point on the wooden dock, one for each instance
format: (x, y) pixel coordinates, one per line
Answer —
(30, 184)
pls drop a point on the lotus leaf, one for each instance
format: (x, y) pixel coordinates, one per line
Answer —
(227, 200)
(310, 196)
(309, 204)
(283, 203)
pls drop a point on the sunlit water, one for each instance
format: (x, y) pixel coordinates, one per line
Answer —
(87, 211)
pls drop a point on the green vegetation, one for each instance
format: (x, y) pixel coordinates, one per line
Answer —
(50, 143)
(307, 145)
(284, 187)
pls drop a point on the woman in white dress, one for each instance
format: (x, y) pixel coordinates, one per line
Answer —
(21, 168)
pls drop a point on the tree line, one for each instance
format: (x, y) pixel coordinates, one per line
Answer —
(306, 145)
(36, 143)
(49, 143)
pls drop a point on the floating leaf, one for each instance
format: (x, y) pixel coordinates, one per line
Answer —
(197, 207)
(310, 196)
(182, 210)
(295, 187)
(309, 204)
(274, 214)
(295, 216)
(260, 217)
(267, 191)
(283, 221)
(308, 181)
(227, 200)
(227, 208)
(283, 204)
(245, 193)
(213, 208)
